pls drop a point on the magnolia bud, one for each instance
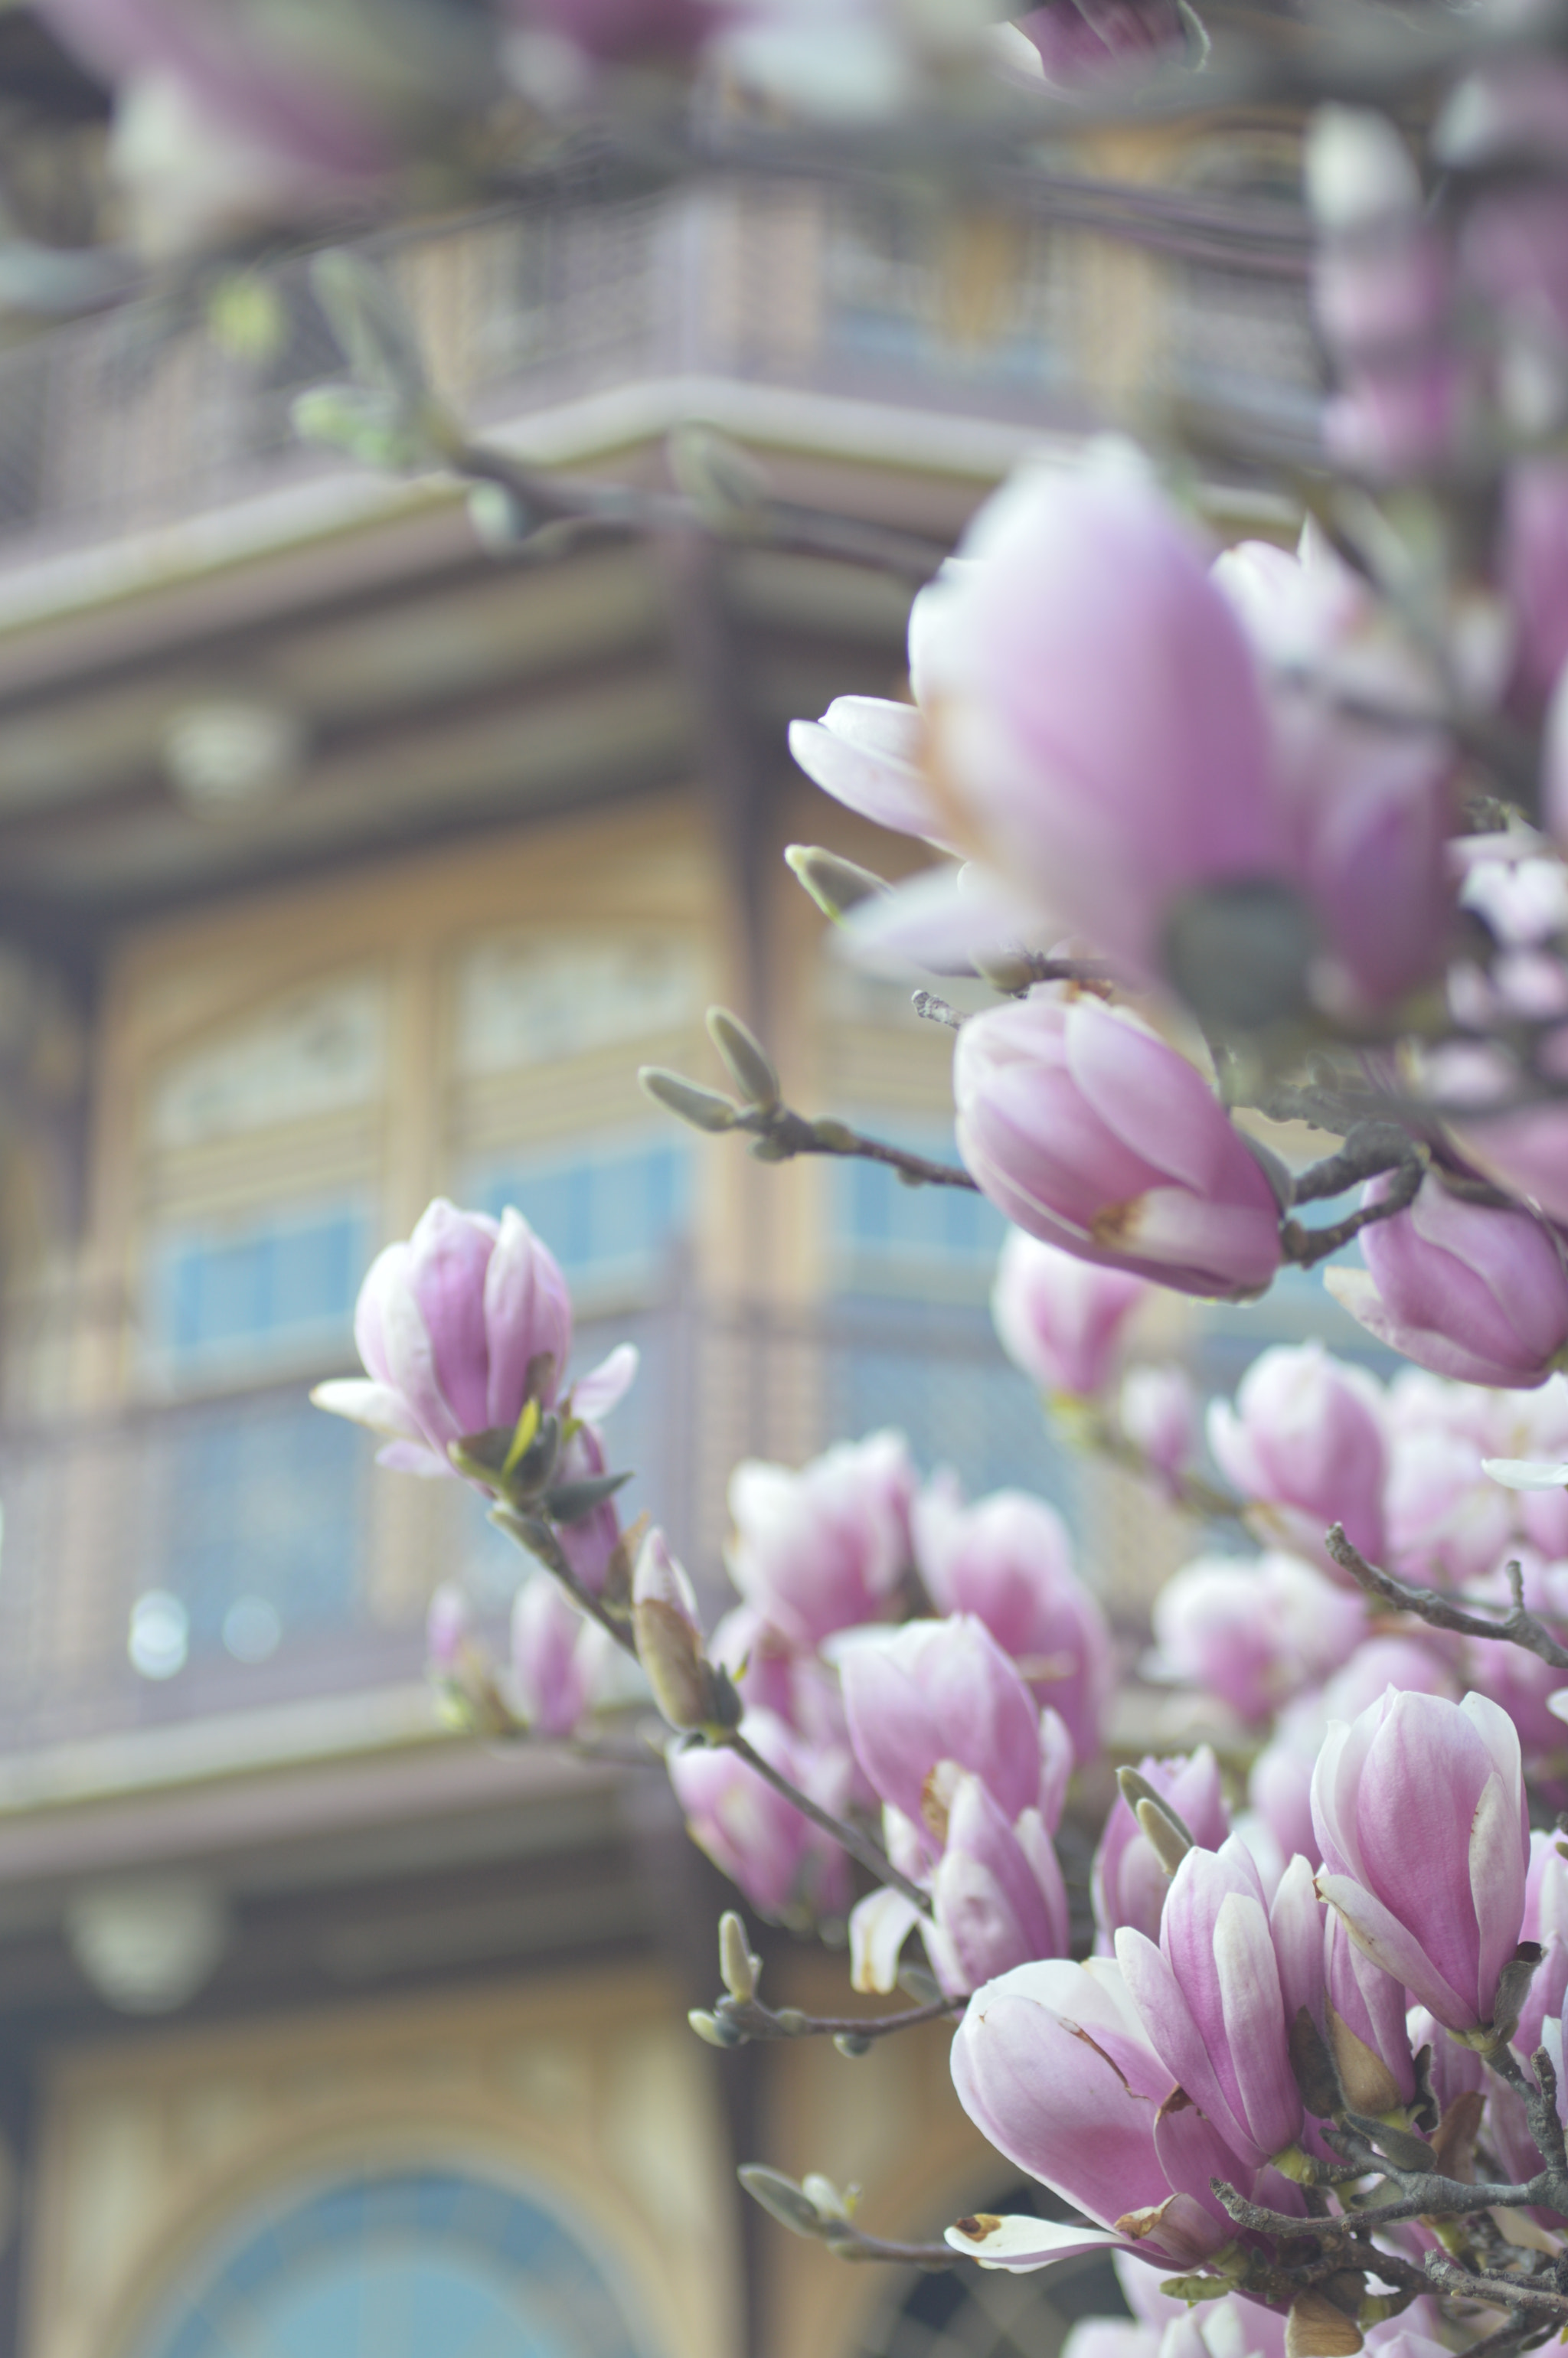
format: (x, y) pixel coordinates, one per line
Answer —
(737, 1968)
(835, 885)
(669, 1639)
(749, 1062)
(704, 1108)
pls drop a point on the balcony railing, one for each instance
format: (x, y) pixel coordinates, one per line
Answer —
(125, 422)
(172, 1563)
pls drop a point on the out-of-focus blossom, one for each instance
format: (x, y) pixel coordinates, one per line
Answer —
(1462, 1289)
(228, 120)
(825, 1548)
(1129, 1884)
(1420, 1810)
(448, 1629)
(1157, 1410)
(452, 1328)
(1008, 1560)
(589, 1542)
(1383, 295)
(1255, 1633)
(1446, 1523)
(615, 30)
(1304, 1441)
(1210, 2001)
(1533, 566)
(1060, 1318)
(1084, 41)
(556, 1655)
(943, 1691)
(1367, 809)
(997, 1894)
(1278, 1783)
(1098, 717)
(1089, 1131)
(1055, 2067)
(870, 754)
(783, 1865)
(1530, 1459)
(1519, 1680)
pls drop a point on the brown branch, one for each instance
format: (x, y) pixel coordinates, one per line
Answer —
(1496, 2292)
(1306, 1246)
(1425, 2195)
(1516, 1627)
(754, 2021)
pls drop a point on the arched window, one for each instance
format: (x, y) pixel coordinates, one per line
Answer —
(401, 2265)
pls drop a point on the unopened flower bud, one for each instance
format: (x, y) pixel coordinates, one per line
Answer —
(713, 2029)
(781, 2197)
(669, 1637)
(835, 885)
(704, 1108)
(1170, 1846)
(750, 1065)
(737, 1968)
(1358, 170)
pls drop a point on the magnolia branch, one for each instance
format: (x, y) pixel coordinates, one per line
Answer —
(853, 2032)
(848, 1836)
(1516, 1627)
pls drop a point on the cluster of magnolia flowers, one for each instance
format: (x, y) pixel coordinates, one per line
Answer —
(1234, 789)
(1257, 2004)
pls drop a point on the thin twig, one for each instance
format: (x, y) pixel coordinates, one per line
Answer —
(754, 2021)
(1496, 2292)
(1427, 2196)
(1516, 1627)
(1305, 1247)
(850, 1837)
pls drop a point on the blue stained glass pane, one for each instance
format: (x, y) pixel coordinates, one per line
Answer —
(282, 1282)
(260, 1499)
(608, 1210)
(401, 2267)
(917, 1241)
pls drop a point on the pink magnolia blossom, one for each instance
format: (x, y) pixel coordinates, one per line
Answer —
(557, 1654)
(997, 1893)
(935, 1697)
(783, 1865)
(1367, 809)
(1255, 1632)
(1446, 1523)
(1533, 566)
(1210, 1999)
(1304, 1441)
(823, 1549)
(1060, 1318)
(1128, 1883)
(1097, 712)
(1521, 1682)
(1087, 1130)
(1084, 41)
(1157, 1409)
(1008, 1560)
(1421, 1817)
(1053, 2064)
(1461, 1288)
(449, 1327)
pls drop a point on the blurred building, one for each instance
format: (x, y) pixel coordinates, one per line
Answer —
(341, 864)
